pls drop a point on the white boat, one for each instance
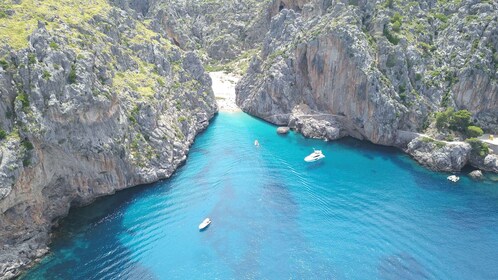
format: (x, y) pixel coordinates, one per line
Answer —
(256, 143)
(316, 155)
(205, 224)
(453, 178)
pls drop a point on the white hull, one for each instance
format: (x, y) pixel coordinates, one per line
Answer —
(316, 155)
(453, 178)
(205, 224)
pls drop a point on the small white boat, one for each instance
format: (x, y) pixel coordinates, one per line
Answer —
(256, 143)
(205, 224)
(453, 178)
(316, 155)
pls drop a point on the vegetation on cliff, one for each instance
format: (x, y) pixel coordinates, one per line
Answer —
(92, 100)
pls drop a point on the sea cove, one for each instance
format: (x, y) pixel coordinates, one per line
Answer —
(363, 212)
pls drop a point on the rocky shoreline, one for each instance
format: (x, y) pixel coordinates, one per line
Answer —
(437, 155)
(331, 70)
(113, 96)
(87, 116)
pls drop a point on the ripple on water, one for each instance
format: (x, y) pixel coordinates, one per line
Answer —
(363, 212)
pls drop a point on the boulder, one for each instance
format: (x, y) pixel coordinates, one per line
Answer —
(439, 155)
(476, 174)
(283, 130)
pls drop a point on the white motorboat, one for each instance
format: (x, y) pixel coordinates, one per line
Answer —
(205, 224)
(316, 155)
(256, 143)
(453, 178)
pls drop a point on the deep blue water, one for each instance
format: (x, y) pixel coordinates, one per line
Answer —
(364, 212)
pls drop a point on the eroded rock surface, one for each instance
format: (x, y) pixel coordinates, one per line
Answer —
(377, 71)
(90, 108)
(440, 156)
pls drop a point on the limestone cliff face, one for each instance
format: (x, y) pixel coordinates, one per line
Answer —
(86, 109)
(219, 31)
(376, 71)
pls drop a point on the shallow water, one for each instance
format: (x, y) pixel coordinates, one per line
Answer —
(364, 212)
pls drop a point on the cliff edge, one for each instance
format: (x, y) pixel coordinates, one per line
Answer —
(92, 101)
(383, 71)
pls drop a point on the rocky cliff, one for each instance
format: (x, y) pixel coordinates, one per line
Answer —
(375, 70)
(99, 95)
(220, 31)
(92, 101)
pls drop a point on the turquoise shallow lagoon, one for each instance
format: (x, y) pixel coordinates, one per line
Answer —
(364, 212)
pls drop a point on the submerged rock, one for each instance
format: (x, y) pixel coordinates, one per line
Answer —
(283, 130)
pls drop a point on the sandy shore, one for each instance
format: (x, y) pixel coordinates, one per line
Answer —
(224, 90)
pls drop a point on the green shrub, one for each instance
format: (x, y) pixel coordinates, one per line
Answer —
(442, 118)
(72, 74)
(53, 45)
(441, 17)
(402, 88)
(23, 97)
(46, 75)
(27, 145)
(396, 21)
(426, 47)
(446, 99)
(418, 77)
(4, 64)
(391, 37)
(396, 17)
(479, 148)
(31, 58)
(3, 134)
(402, 96)
(460, 120)
(474, 131)
(396, 26)
(391, 60)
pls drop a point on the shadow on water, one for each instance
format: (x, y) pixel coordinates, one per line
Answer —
(401, 266)
(315, 165)
(75, 247)
(368, 149)
(259, 230)
(479, 202)
(423, 177)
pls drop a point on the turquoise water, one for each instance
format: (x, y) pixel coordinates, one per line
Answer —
(364, 212)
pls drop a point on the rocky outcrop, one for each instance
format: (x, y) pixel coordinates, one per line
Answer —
(219, 30)
(90, 108)
(486, 163)
(283, 130)
(476, 174)
(440, 156)
(376, 71)
(313, 125)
